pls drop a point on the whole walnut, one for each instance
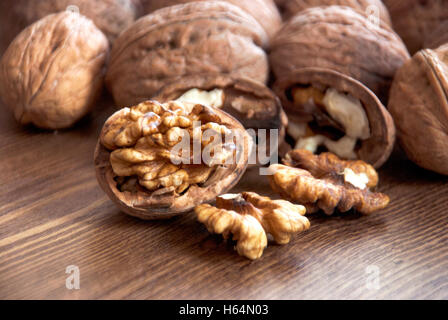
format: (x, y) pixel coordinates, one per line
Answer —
(264, 11)
(340, 39)
(419, 105)
(415, 20)
(212, 37)
(372, 8)
(53, 71)
(438, 37)
(329, 111)
(110, 16)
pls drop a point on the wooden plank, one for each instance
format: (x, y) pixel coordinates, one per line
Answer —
(53, 214)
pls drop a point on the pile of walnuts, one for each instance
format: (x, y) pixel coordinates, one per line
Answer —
(334, 79)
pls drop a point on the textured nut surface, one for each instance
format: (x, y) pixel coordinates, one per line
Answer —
(415, 20)
(194, 38)
(340, 39)
(325, 182)
(289, 8)
(53, 71)
(250, 102)
(264, 11)
(249, 217)
(110, 16)
(146, 166)
(419, 105)
(307, 118)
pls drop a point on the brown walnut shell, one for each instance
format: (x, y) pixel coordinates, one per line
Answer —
(249, 101)
(438, 37)
(161, 204)
(377, 148)
(110, 16)
(289, 8)
(264, 11)
(194, 38)
(419, 106)
(415, 20)
(340, 39)
(53, 71)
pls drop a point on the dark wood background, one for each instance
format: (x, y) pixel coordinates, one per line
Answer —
(53, 214)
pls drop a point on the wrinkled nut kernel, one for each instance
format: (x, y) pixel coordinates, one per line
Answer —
(158, 160)
(249, 217)
(196, 38)
(373, 9)
(326, 182)
(53, 71)
(250, 102)
(328, 111)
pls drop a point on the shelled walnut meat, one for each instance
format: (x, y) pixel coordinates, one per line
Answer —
(340, 39)
(110, 16)
(370, 8)
(249, 217)
(159, 160)
(325, 182)
(206, 37)
(251, 102)
(328, 111)
(264, 11)
(53, 71)
(416, 20)
(419, 105)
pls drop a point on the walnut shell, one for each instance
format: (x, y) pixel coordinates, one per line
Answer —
(264, 11)
(110, 16)
(53, 71)
(194, 38)
(419, 106)
(377, 148)
(164, 203)
(415, 20)
(438, 37)
(250, 102)
(289, 8)
(338, 38)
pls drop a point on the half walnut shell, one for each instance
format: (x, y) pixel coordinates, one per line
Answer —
(316, 101)
(212, 37)
(251, 102)
(340, 39)
(140, 167)
(419, 104)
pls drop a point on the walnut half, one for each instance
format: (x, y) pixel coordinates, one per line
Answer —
(326, 182)
(158, 160)
(249, 217)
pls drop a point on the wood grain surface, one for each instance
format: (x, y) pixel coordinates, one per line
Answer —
(53, 214)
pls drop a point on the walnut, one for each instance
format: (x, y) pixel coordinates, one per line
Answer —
(438, 37)
(249, 217)
(325, 182)
(251, 102)
(264, 11)
(159, 160)
(110, 16)
(328, 111)
(416, 20)
(340, 39)
(195, 38)
(53, 71)
(419, 106)
(289, 8)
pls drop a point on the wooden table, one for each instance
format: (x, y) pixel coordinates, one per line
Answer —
(53, 214)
